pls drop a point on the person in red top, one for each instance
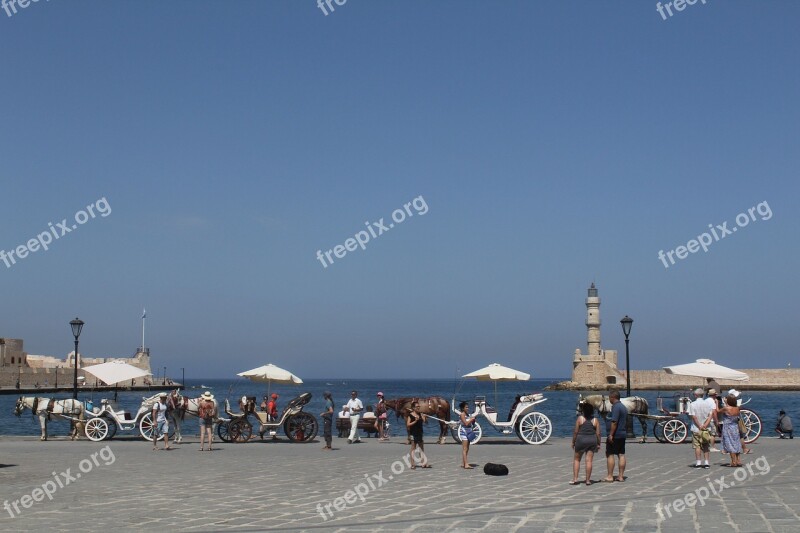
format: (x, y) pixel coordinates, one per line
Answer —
(271, 408)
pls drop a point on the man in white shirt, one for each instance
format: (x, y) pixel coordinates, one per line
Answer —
(354, 407)
(700, 412)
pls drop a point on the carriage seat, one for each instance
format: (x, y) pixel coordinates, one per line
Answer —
(534, 397)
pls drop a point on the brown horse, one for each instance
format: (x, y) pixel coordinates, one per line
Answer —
(433, 406)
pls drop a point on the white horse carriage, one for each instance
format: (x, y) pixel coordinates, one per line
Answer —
(530, 425)
(102, 422)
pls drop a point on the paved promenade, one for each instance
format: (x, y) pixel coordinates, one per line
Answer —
(278, 485)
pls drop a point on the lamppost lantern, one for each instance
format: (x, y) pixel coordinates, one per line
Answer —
(77, 327)
(627, 323)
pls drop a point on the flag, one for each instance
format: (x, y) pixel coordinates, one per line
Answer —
(144, 313)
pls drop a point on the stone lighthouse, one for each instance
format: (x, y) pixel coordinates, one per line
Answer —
(597, 366)
(593, 321)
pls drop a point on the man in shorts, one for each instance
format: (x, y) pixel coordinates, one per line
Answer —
(206, 412)
(700, 411)
(160, 424)
(615, 442)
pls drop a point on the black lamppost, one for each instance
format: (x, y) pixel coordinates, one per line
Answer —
(77, 326)
(165, 375)
(627, 323)
(183, 378)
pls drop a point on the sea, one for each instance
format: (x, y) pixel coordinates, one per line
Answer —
(559, 405)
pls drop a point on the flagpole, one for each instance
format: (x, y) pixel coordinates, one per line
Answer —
(144, 317)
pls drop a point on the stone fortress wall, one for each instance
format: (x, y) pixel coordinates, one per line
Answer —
(45, 370)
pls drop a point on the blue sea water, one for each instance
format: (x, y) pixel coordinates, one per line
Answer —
(559, 407)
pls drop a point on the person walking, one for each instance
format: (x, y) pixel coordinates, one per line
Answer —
(731, 441)
(380, 417)
(466, 423)
(160, 424)
(700, 412)
(714, 428)
(327, 420)
(207, 412)
(784, 426)
(354, 407)
(414, 424)
(615, 441)
(585, 440)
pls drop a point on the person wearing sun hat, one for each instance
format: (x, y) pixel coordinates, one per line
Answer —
(380, 418)
(206, 412)
(715, 427)
(700, 414)
(160, 424)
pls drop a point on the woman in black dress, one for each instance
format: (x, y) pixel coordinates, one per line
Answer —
(585, 439)
(414, 425)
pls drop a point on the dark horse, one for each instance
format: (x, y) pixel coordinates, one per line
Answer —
(433, 406)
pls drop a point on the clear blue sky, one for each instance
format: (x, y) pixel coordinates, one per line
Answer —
(554, 143)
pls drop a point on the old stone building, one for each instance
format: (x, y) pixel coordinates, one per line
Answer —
(597, 367)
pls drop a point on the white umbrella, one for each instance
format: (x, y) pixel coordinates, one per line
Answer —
(706, 368)
(115, 372)
(271, 373)
(497, 372)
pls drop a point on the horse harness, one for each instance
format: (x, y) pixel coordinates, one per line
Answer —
(48, 409)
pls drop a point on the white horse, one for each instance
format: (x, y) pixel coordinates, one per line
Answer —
(44, 407)
(636, 405)
(179, 406)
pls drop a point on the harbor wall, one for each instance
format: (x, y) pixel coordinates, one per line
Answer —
(760, 379)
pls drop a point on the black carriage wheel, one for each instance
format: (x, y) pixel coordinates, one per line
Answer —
(301, 427)
(223, 430)
(112, 427)
(658, 431)
(241, 431)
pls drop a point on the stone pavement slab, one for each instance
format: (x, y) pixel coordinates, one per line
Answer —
(123, 485)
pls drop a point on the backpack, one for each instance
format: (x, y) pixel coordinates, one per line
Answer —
(206, 409)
